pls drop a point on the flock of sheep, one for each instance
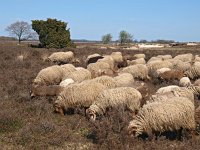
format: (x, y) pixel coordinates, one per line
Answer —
(109, 82)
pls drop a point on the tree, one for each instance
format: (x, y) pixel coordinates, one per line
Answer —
(52, 33)
(106, 38)
(125, 37)
(20, 29)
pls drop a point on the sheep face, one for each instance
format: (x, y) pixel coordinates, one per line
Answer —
(134, 129)
(91, 115)
(58, 109)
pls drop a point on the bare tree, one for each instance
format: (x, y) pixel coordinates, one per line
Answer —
(20, 29)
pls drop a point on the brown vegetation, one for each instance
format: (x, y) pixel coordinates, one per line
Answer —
(32, 124)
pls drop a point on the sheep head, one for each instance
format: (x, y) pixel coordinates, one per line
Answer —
(91, 114)
(58, 108)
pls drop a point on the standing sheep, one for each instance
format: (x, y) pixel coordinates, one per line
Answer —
(161, 116)
(124, 79)
(125, 97)
(49, 76)
(171, 75)
(193, 73)
(185, 57)
(51, 90)
(77, 95)
(138, 71)
(61, 57)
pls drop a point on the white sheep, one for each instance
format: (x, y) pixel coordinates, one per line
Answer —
(49, 76)
(124, 79)
(136, 61)
(137, 56)
(162, 70)
(185, 57)
(138, 71)
(193, 73)
(109, 60)
(125, 97)
(165, 57)
(66, 82)
(79, 75)
(180, 65)
(61, 57)
(99, 68)
(77, 95)
(185, 81)
(196, 82)
(67, 69)
(106, 81)
(167, 89)
(161, 116)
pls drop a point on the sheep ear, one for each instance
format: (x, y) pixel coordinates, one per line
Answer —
(93, 117)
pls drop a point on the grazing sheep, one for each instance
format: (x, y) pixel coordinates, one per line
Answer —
(124, 79)
(49, 76)
(185, 57)
(167, 89)
(185, 81)
(66, 82)
(162, 70)
(161, 116)
(61, 57)
(165, 57)
(106, 81)
(138, 71)
(67, 69)
(193, 73)
(136, 61)
(126, 97)
(158, 64)
(152, 59)
(77, 95)
(138, 56)
(119, 60)
(180, 65)
(44, 90)
(93, 59)
(109, 60)
(197, 82)
(79, 75)
(99, 68)
(171, 75)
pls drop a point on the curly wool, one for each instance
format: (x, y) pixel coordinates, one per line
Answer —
(171, 75)
(106, 81)
(66, 82)
(79, 75)
(61, 57)
(138, 71)
(180, 65)
(136, 61)
(76, 95)
(98, 68)
(193, 73)
(185, 57)
(122, 96)
(184, 82)
(49, 76)
(163, 116)
(124, 79)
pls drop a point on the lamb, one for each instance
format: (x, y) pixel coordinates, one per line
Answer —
(184, 82)
(171, 75)
(61, 57)
(49, 76)
(124, 79)
(66, 82)
(161, 116)
(79, 75)
(52, 90)
(193, 73)
(77, 95)
(138, 71)
(121, 96)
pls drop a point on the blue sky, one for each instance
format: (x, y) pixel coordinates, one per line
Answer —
(177, 20)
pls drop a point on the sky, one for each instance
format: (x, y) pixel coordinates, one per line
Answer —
(177, 20)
